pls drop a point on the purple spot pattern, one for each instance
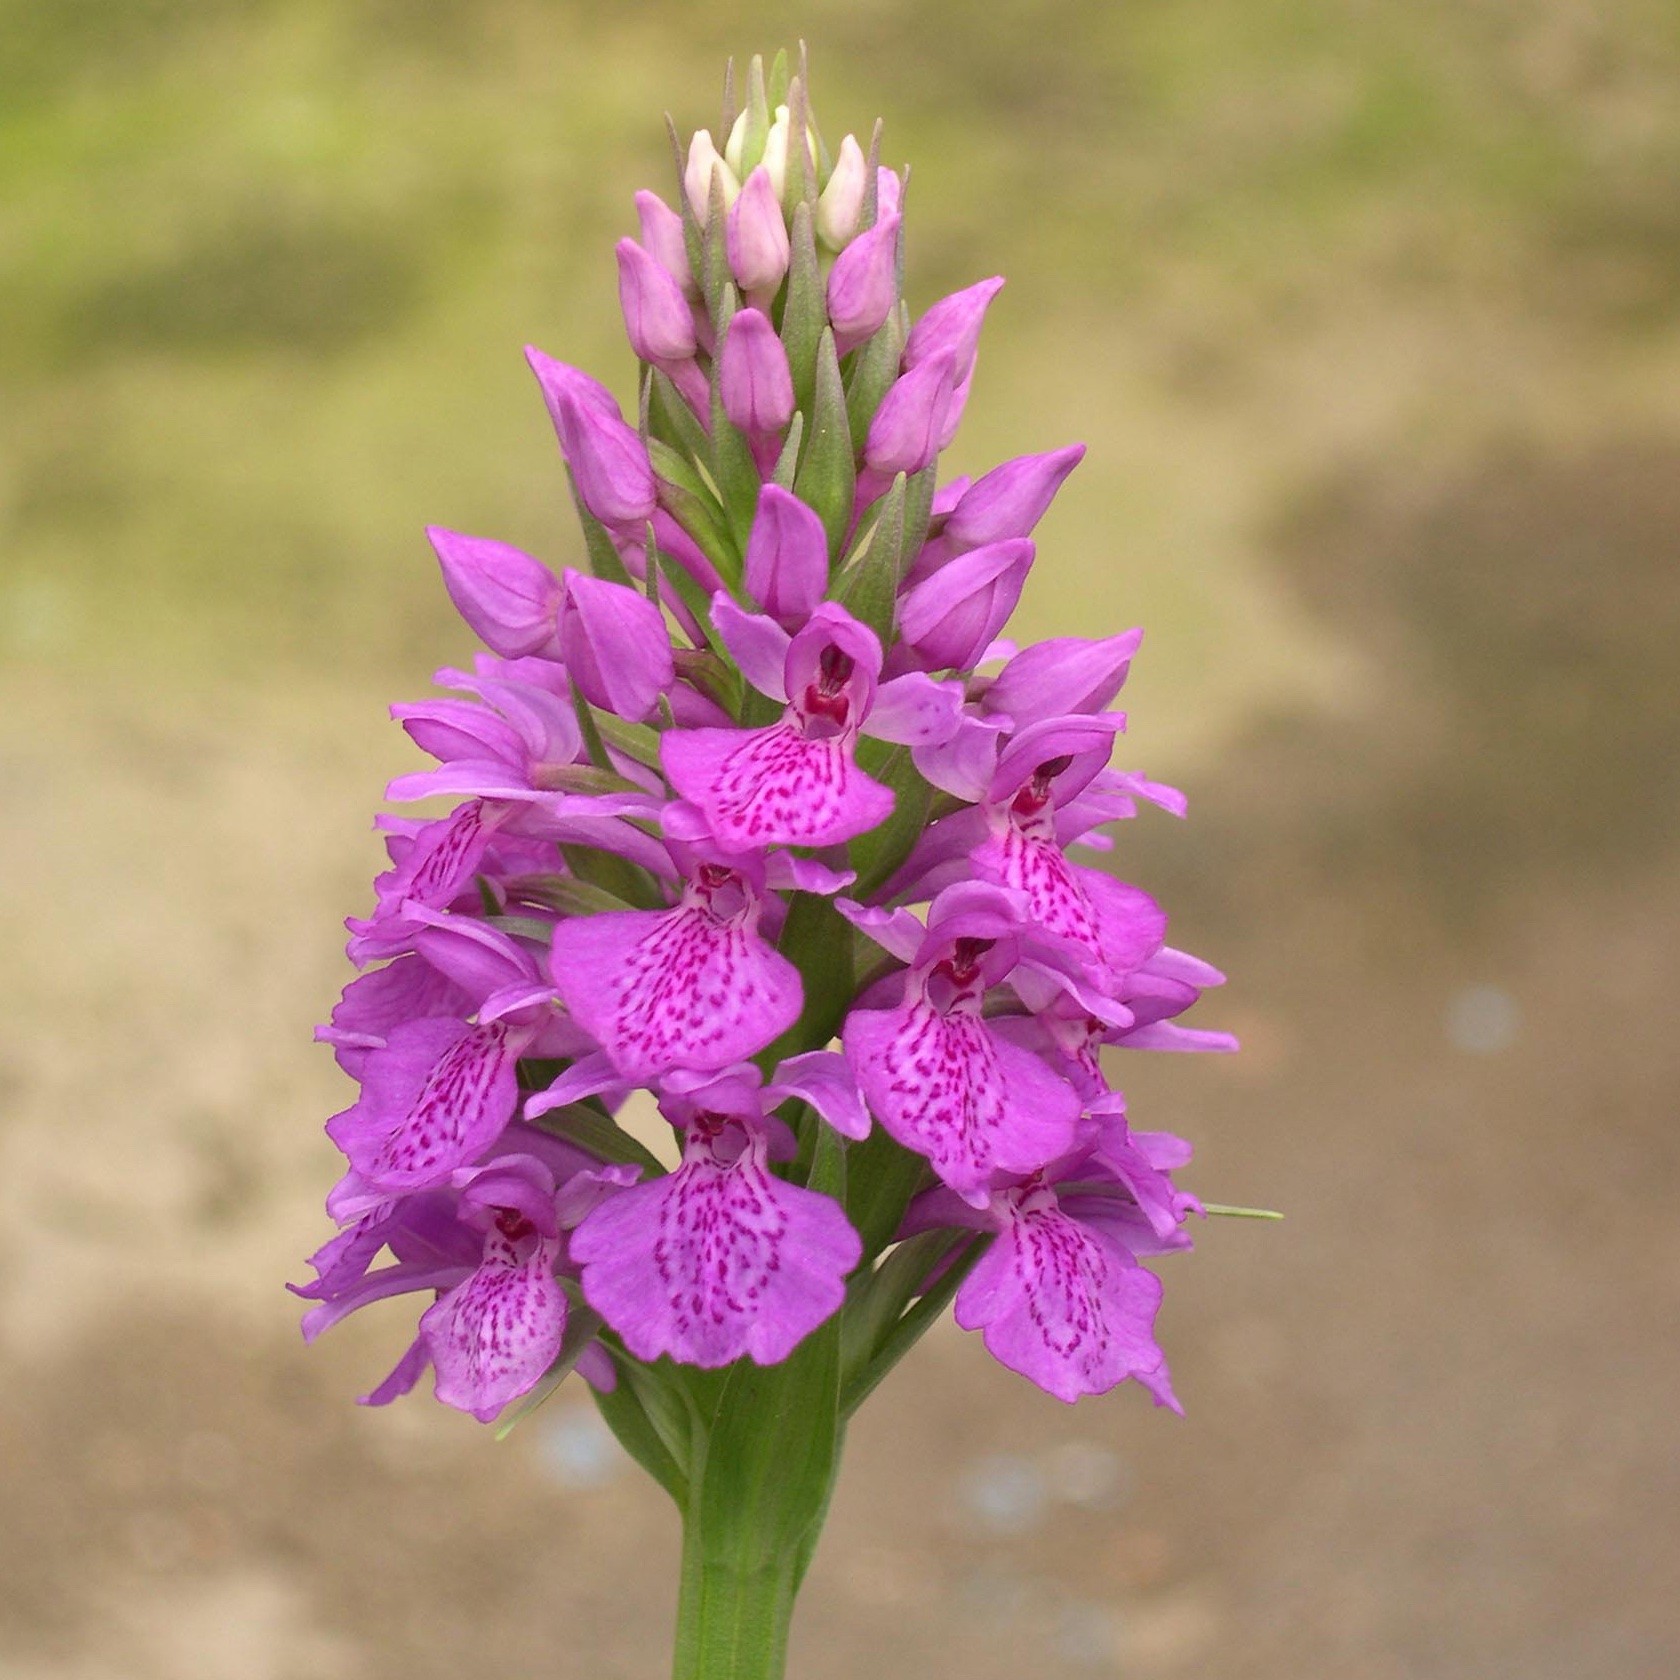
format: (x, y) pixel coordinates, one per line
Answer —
(467, 1098)
(779, 787)
(718, 1250)
(1040, 870)
(493, 1336)
(944, 1092)
(686, 989)
(1065, 1278)
(719, 1260)
(451, 857)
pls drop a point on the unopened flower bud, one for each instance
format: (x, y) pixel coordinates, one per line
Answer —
(863, 286)
(753, 375)
(1010, 500)
(615, 645)
(757, 236)
(953, 324)
(662, 237)
(841, 202)
(735, 146)
(776, 144)
(949, 620)
(508, 598)
(904, 435)
(608, 459)
(1064, 675)
(889, 190)
(776, 150)
(656, 314)
(787, 556)
(703, 163)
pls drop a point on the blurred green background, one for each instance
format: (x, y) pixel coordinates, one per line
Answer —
(1370, 315)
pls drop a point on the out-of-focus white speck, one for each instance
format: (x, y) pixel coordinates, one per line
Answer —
(577, 1450)
(1483, 1020)
(1005, 1492)
(1087, 1474)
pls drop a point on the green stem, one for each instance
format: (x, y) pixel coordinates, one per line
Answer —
(732, 1621)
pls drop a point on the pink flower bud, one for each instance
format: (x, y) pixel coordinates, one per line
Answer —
(953, 324)
(615, 645)
(787, 556)
(950, 620)
(863, 286)
(758, 237)
(1067, 674)
(841, 202)
(889, 190)
(1010, 500)
(507, 598)
(904, 435)
(662, 237)
(608, 459)
(656, 314)
(753, 376)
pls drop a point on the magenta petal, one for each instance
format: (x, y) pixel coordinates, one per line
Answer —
(915, 711)
(507, 598)
(824, 1079)
(787, 556)
(617, 648)
(433, 1100)
(1130, 924)
(717, 1261)
(950, 618)
(904, 435)
(950, 1088)
(774, 786)
(756, 642)
(608, 459)
(478, 958)
(662, 236)
(447, 853)
(408, 989)
(753, 377)
(1063, 1305)
(965, 764)
(492, 1337)
(1010, 500)
(403, 1376)
(863, 284)
(951, 327)
(1065, 674)
(1055, 889)
(660, 989)
(756, 236)
(657, 319)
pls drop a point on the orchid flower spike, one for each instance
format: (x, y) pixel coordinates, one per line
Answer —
(761, 822)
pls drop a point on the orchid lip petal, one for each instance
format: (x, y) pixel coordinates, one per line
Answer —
(717, 1261)
(674, 988)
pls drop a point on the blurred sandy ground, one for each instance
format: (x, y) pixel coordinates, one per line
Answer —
(1369, 315)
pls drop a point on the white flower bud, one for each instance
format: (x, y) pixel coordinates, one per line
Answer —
(703, 163)
(776, 150)
(775, 157)
(734, 150)
(841, 202)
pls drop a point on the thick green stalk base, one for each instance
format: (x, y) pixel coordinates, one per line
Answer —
(732, 1624)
